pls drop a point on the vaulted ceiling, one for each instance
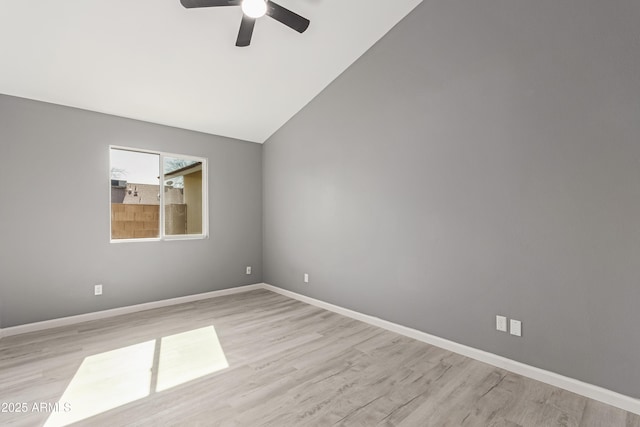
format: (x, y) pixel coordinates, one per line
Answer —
(156, 61)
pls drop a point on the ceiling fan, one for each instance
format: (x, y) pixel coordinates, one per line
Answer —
(253, 9)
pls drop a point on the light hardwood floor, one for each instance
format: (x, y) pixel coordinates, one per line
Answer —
(268, 360)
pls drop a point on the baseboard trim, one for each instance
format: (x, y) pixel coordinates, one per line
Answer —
(584, 389)
(71, 320)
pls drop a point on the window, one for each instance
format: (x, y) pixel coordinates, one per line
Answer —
(157, 196)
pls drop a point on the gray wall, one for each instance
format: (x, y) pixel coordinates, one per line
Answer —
(483, 158)
(55, 164)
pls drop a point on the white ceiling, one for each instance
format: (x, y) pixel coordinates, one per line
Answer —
(156, 61)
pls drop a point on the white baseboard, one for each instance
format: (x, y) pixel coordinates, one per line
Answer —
(71, 320)
(584, 389)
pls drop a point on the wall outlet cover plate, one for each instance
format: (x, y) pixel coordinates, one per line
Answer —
(515, 327)
(501, 323)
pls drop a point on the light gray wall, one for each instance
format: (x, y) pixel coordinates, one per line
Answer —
(55, 165)
(483, 158)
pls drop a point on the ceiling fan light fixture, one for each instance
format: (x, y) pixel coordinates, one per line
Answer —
(254, 8)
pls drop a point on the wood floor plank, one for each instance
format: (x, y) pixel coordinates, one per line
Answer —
(289, 364)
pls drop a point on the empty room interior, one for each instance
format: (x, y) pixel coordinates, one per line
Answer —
(318, 213)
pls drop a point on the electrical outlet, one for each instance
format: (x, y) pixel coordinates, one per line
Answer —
(515, 327)
(501, 323)
(97, 289)
(248, 269)
(306, 278)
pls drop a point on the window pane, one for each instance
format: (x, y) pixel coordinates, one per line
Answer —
(182, 196)
(135, 194)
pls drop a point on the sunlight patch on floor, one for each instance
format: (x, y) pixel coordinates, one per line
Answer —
(189, 355)
(108, 380)
(105, 381)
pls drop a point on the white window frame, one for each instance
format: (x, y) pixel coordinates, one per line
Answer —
(205, 196)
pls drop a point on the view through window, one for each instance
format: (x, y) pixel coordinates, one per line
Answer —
(156, 195)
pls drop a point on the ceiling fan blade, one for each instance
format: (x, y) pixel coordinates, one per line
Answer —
(288, 18)
(246, 30)
(209, 3)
